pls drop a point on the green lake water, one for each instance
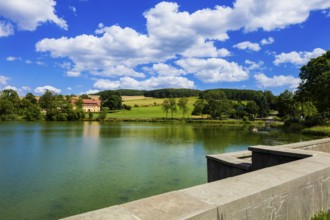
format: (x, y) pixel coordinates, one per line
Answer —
(50, 170)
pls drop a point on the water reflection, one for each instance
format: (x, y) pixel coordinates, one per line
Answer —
(51, 170)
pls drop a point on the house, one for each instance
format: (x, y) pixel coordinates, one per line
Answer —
(88, 105)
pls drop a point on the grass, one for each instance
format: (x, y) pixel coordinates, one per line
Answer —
(318, 130)
(145, 107)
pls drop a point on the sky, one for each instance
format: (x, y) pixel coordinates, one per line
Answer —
(86, 46)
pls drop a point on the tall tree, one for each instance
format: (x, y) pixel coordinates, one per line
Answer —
(166, 106)
(47, 101)
(315, 82)
(183, 105)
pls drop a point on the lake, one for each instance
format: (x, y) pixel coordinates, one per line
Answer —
(51, 170)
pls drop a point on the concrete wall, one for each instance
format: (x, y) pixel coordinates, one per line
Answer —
(293, 190)
(222, 166)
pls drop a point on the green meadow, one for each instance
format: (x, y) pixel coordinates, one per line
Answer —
(145, 107)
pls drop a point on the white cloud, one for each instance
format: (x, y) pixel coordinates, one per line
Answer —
(43, 89)
(11, 58)
(164, 69)
(6, 29)
(148, 84)
(277, 81)
(10, 87)
(247, 45)
(254, 65)
(170, 33)
(3, 80)
(266, 41)
(298, 58)
(214, 70)
(274, 14)
(28, 15)
(92, 91)
(205, 49)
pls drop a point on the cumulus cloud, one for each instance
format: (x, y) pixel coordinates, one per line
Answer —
(148, 84)
(274, 14)
(6, 29)
(43, 89)
(298, 58)
(277, 81)
(3, 80)
(171, 34)
(28, 15)
(214, 70)
(247, 45)
(266, 41)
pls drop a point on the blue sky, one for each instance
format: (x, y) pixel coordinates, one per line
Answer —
(85, 46)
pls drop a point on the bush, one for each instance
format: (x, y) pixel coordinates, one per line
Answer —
(322, 215)
(314, 120)
(127, 107)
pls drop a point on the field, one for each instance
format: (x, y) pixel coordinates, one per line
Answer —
(146, 107)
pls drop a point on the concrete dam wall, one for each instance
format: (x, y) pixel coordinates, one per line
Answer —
(280, 182)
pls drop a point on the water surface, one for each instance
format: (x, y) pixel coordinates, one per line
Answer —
(50, 170)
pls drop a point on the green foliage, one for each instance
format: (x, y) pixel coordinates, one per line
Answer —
(9, 105)
(172, 105)
(286, 105)
(46, 101)
(317, 130)
(103, 114)
(315, 85)
(126, 107)
(322, 215)
(252, 108)
(199, 107)
(90, 116)
(172, 93)
(217, 104)
(111, 100)
(166, 106)
(183, 105)
(31, 112)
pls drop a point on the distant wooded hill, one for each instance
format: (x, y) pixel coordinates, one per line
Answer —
(232, 94)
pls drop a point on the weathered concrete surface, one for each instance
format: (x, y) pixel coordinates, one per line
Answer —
(294, 190)
(222, 166)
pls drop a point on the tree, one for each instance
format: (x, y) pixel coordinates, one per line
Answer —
(29, 108)
(166, 106)
(183, 105)
(217, 104)
(32, 112)
(286, 105)
(47, 100)
(12, 96)
(30, 98)
(7, 110)
(172, 103)
(315, 83)
(199, 107)
(111, 100)
(252, 108)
